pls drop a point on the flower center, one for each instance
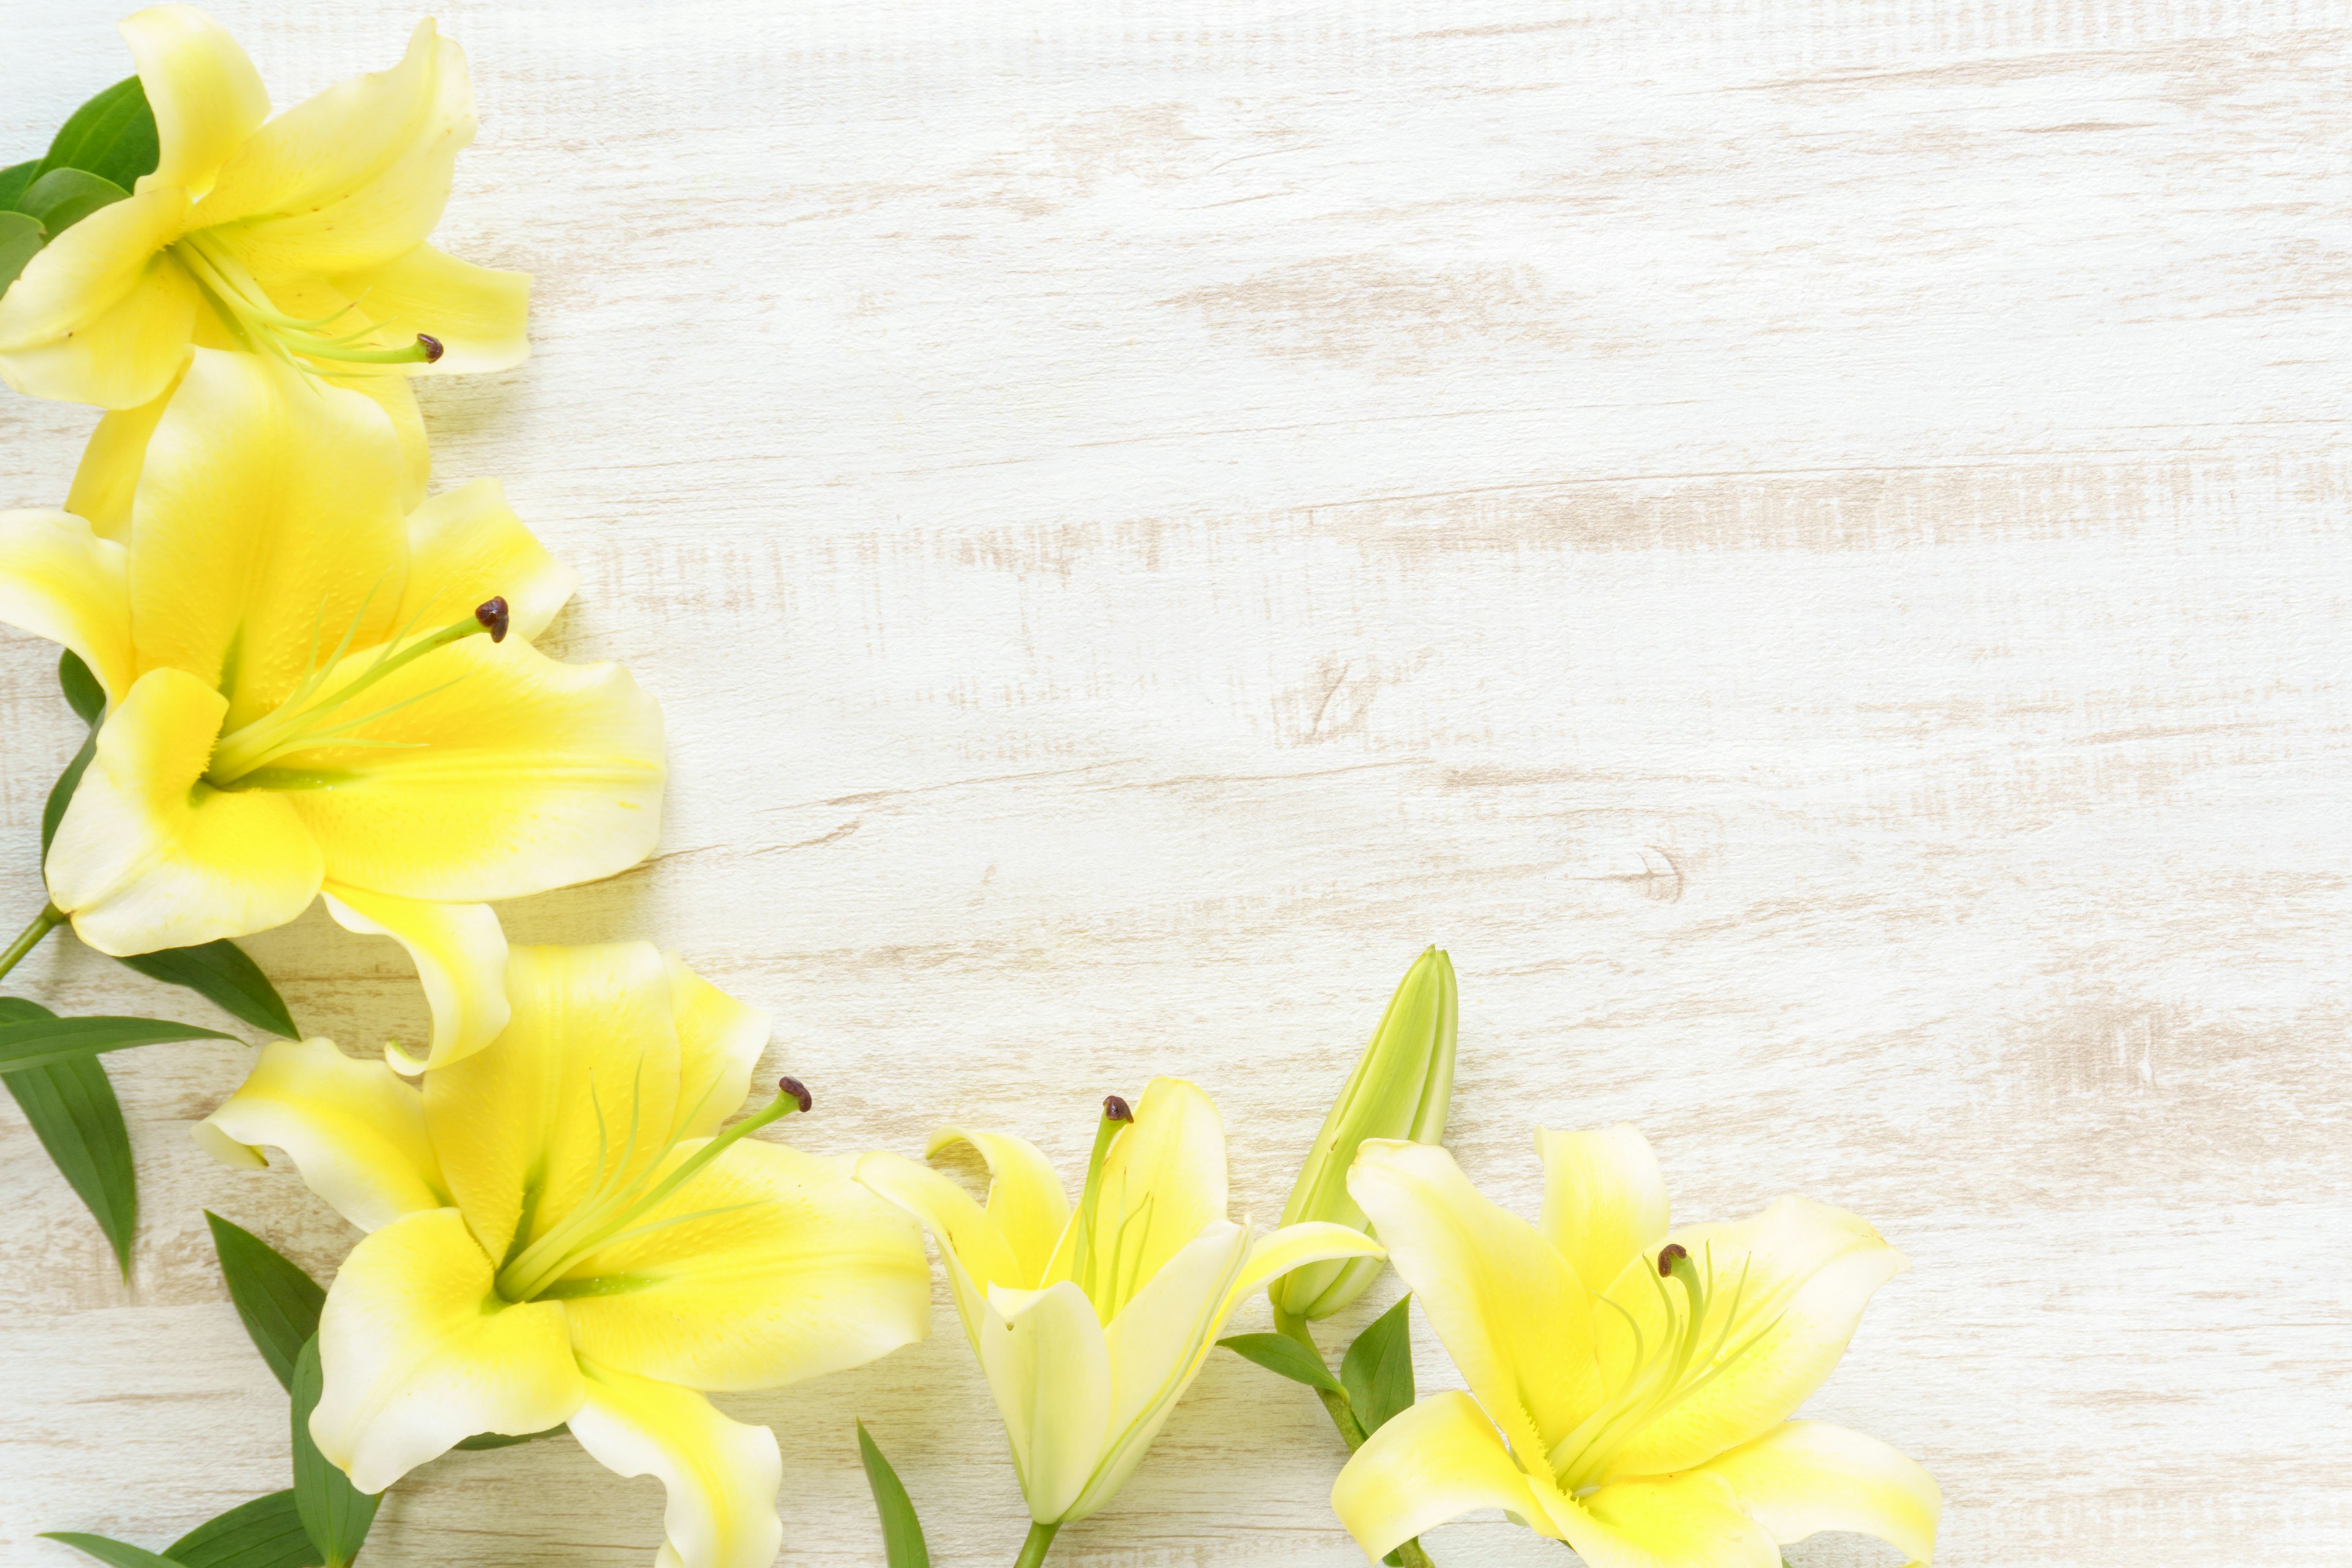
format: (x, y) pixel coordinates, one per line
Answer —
(313, 715)
(258, 326)
(616, 1208)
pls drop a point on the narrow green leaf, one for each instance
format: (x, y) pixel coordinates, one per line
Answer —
(221, 973)
(112, 136)
(336, 1513)
(278, 1301)
(481, 1440)
(38, 1042)
(61, 793)
(84, 694)
(63, 197)
(113, 1552)
(1281, 1354)
(74, 1113)
(21, 239)
(264, 1533)
(1378, 1368)
(13, 181)
(902, 1532)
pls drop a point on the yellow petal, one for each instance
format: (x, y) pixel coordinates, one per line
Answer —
(719, 1041)
(1604, 1200)
(1313, 1241)
(721, 1476)
(476, 313)
(108, 475)
(968, 1238)
(60, 581)
(419, 1354)
(460, 955)
(353, 177)
(501, 773)
(354, 1131)
(1026, 1204)
(398, 397)
(1430, 1465)
(102, 315)
(1048, 1365)
(1508, 1308)
(206, 96)
(265, 525)
(465, 545)
(147, 858)
(584, 1080)
(1162, 1181)
(791, 1271)
(1785, 1291)
(1677, 1522)
(1807, 1476)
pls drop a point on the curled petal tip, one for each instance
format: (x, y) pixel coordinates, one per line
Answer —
(1116, 1110)
(493, 614)
(432, 347)
(797, 1090)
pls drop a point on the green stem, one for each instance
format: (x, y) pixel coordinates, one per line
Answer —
(1032, 1551)
(1351, 1430)
(48, 919)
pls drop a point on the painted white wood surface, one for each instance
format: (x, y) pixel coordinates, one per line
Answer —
(1806, 542)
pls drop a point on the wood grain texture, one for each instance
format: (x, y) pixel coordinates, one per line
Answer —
(1806, 542)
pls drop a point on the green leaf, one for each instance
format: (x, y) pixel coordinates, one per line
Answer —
(481, 1440)
(84, 694)
(63, 197)
(1378, 1368)
(112, 136)
(113, 1552)
(38, 1042)
(1280, 1352)
(278, 1301)
(902, 1532)
(336, 1513)
(221, 973)
(13, 181)
(74, 1113)
(61, 793)
(21, 239)
(264, 1533)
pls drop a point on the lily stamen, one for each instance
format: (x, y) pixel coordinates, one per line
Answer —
(247, 314)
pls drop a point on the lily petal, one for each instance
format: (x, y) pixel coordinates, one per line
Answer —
(419, 1353)
(108, 476)
(721, 1475)
(460, 955)
(476, 313)
(1807, 1476)
(355, 177)
(101, 315)
(396, 395)
(1048, 1365)
(719, 1041)
(1162, 1181)
(966, 1236)
(465, 545)
(61, 581)
(769, 1267)
(1785, 1291)
(1508, 1308)
(148, 858)
(1604, 1200)
(1430, 1465)
(1311, 1241)
(206, 96)
(1026, 1204)
(354, 1131)
(1690, 1521)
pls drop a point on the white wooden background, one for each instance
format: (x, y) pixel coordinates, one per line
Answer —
(1805, 541)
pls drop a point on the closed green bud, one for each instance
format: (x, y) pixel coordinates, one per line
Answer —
(1402, 1087)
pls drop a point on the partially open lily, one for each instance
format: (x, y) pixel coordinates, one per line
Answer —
(307, 693)
(1091, 1322)
(559, 1231)
(1630, 1388)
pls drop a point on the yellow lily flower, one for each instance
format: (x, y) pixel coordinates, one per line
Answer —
(558, 1232)
(1090, 1323)
(300, 237)
(1630, 1388)
(299, 701)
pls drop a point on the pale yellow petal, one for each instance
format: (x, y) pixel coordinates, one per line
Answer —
(61, 581)
(1784, 1293)
(148, 858)
(1048, 1365)
(266, 526)
(963, 1233)
(398, 397)
(460, 955)
(581, 1083)
(1604, 1200)
(1428, 1466)
(1313, 1241)
(465, 545)
(206, 96)
(418, 1353)
(476, 313)
(718, 1042)
(501, 773)
(1026, 1204)
(354, 1131)
(1803, 1476)
(769, 1267)
(720, 1477)
(1676, 1521)
(104, 314)
(1510, 1311)
(108, 475)
(353, 177)
(1162, 1181)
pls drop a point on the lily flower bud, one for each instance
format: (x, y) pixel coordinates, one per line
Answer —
(1402, 1087)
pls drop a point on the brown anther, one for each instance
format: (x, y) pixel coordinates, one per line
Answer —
(1674, 1252)
(493, 614)
(797, 1090)
(432, 347)
(1116, 1110)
